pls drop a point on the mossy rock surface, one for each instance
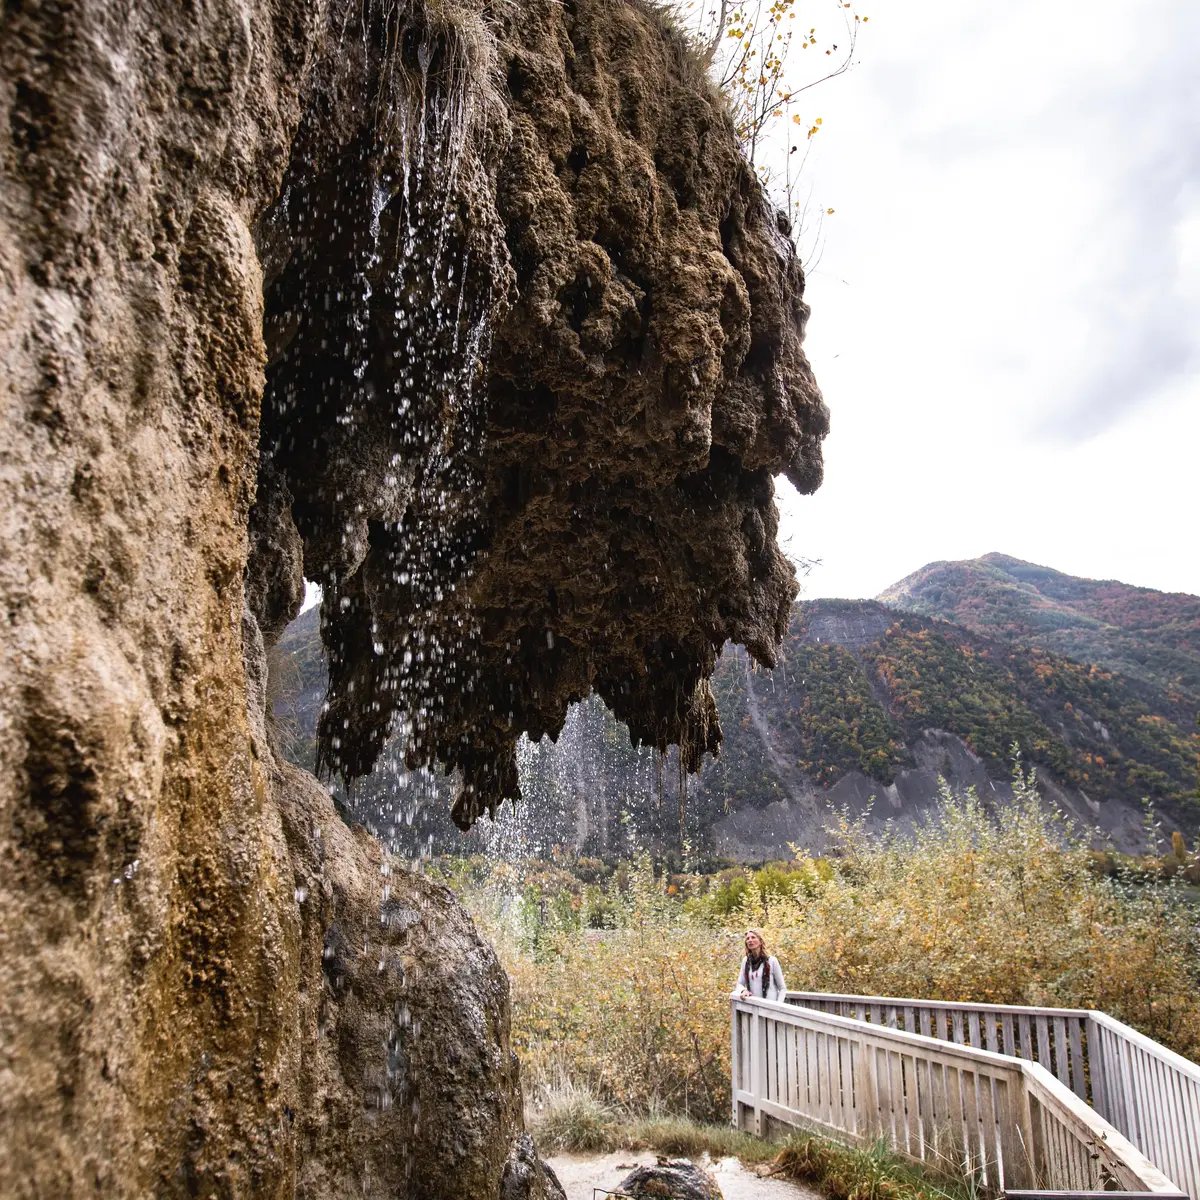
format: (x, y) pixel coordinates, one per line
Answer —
(675, 1180)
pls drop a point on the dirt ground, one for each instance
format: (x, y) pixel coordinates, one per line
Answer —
(590, 1177)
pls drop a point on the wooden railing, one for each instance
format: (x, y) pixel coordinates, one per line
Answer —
(1007, 1121)
(1149, 1093)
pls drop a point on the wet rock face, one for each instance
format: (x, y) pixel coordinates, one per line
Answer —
(236, 345)
(147, 963)
(407, 1083)
(604, 516)
(169, 1021)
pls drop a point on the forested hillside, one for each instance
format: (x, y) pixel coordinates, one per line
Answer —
(1146, 635)
(866, 701)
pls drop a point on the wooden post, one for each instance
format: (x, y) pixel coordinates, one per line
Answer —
(758, 1067)
(733, 1059)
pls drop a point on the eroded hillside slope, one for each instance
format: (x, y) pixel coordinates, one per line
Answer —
(865, 702)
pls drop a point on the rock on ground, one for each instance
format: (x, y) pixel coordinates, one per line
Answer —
(580, 1174)
(676, 1179)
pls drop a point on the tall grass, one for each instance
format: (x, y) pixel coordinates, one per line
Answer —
(569, 1119)
(974, 906)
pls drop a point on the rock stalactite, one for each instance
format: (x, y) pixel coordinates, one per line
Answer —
(592, 509)
(474, 316)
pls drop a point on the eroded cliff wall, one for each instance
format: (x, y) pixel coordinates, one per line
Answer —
(529, 340)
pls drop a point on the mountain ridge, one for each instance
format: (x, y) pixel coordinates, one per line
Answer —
(1143, 633)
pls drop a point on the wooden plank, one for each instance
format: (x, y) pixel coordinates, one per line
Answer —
(988, 1139)
(788, 1079)
(757, 1069)
(841, 1112)
(971, 1123)
(1078, 1080)
(924, 1086)
(1043, 1041)
(926, 1023)
(956, 1019)
(1008, 1136)
(1097, 1066)
(735, 1059)
(941, 1108)
(1038, 1149)
(1061, 1068)
(973, 1029)
(957, 1145)
(1148, 1078)
(768, 1058)
(911, 1079)
(1010, 1041)
(896, 1103)
(863, 1063)
(821, 1107)
(991, 1031)
(812, 1081)
(910, 1019)
(829, 1080)
(1026, 1036)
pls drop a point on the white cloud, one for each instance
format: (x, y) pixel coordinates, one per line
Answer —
(1006, 313)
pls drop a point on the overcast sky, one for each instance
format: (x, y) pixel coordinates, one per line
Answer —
(1006, 313)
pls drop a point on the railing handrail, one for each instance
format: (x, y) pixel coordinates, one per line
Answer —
(960, 1049)
(1038, 1077)
(1183, 1065)
(911, 1002)
(1148, 1092)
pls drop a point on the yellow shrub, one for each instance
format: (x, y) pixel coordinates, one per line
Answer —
(1000, 908)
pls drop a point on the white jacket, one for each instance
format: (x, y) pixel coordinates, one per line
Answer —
(752, 980)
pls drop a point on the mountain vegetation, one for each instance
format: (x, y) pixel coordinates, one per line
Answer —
(857, 686)
(1149, 636)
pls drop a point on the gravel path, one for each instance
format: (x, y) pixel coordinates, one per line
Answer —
(581, 1173)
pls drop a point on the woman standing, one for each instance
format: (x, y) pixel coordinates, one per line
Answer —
(760, 976)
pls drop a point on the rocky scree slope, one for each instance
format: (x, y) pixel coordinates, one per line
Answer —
(479, 319)
(869, 702)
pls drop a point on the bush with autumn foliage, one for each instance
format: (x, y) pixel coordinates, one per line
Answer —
(632, 1003)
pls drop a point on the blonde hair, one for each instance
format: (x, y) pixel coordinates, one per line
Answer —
(762, 942)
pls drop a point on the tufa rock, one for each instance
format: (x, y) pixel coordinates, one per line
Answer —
(586, 503)
(527, 1177)
(484, 325)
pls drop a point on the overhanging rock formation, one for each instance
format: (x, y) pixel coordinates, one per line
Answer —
(558, 477)
(475, 317)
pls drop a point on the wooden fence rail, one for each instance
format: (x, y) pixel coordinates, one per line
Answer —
(954, 1106)
(1147, 1092)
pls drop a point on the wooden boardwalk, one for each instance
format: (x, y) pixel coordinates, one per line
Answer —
(1057, 1099)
